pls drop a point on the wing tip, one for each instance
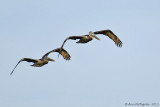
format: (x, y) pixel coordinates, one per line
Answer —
(119, 43)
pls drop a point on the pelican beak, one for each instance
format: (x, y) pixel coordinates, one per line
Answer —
(52, 60)
(96, 37)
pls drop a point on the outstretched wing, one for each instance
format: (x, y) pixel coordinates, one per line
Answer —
(63, 52)
(111, 35)
(24, 59)
(71, 37)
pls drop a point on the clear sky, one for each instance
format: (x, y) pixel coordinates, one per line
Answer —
(99, 73)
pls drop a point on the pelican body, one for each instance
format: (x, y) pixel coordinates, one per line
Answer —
(37, 62)
(85, 39)
(40, 63)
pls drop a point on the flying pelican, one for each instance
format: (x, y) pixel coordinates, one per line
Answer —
(83, 39)
(45, 59)
(87, 38)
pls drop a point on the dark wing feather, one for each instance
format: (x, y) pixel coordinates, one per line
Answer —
(63, 52)
(111, 35)
(71, 37)
(24, 59)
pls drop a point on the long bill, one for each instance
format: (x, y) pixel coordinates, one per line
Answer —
(51, 59)
(96, 37)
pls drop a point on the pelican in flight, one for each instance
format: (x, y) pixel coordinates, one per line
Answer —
(92, 35)
(45, 59)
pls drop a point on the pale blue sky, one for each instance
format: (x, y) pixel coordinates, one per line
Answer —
(99, 74)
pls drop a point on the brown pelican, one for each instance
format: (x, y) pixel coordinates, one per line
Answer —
(45, 59)
(82, 39)
(87, 38)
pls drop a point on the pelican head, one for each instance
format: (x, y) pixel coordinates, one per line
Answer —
(93, 35)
